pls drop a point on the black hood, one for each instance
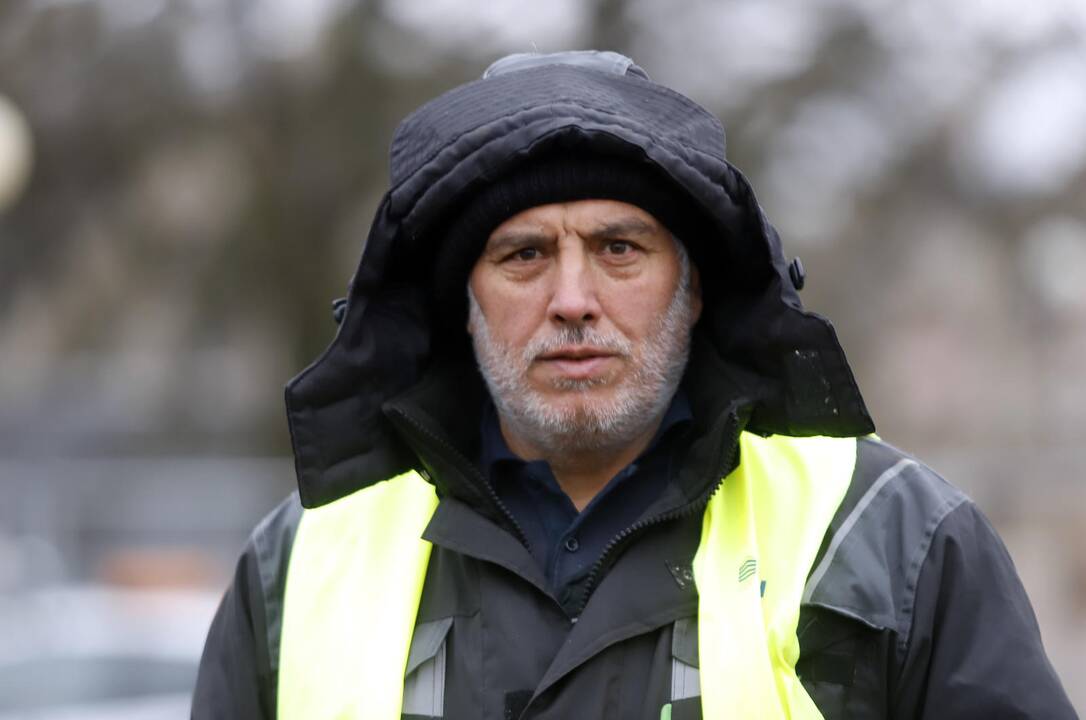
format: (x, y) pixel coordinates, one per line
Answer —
(787, 362)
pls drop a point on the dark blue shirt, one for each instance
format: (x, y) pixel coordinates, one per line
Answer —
(567, 543)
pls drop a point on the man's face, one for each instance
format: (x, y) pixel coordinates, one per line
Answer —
(580, 316)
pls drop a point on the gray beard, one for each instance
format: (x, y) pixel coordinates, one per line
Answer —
(613, 423)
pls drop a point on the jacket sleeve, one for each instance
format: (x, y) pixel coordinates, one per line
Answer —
(974, 649)
(237, 675)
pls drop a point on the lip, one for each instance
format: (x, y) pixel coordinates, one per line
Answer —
(577, 363)
(575, 353)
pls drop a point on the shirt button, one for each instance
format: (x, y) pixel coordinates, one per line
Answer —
(571, 544)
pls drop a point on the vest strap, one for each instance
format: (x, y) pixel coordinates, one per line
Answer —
(353, 588)
(760, 534)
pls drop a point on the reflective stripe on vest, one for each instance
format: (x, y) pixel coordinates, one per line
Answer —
(358, 565)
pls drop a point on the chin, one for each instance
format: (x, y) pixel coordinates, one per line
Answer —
(564, 387)
(578, 397)
(587, 411)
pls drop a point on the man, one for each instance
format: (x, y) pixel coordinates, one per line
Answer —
(643, 477)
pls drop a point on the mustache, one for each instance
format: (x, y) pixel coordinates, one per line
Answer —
(581, 336)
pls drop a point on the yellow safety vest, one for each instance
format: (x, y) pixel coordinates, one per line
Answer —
(358, 565)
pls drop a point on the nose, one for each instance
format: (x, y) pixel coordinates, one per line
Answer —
(574, 294)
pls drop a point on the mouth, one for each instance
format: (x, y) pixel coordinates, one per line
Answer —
(577, 362)
(576, 353)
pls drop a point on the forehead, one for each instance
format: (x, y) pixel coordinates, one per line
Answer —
(582, 216)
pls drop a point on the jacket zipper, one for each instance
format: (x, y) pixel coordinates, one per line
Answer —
(466, 467)
(698, 505)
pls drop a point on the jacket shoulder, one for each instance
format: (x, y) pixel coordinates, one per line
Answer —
(910, 555)
(240, 663)
(269, 546)
(880, 537)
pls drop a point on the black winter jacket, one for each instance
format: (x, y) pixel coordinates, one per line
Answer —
(915, 611)
(913, 608)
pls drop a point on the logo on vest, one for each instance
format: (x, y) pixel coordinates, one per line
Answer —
(747, 569)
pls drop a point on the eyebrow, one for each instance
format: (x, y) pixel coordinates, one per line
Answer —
(625, 227)
(515, 238)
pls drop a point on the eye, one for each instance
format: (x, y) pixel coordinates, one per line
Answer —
(524, 254)
(620, 247)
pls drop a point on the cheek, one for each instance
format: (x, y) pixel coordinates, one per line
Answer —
(513, 308)
(635, 308)
(506, 329)
(510, 320)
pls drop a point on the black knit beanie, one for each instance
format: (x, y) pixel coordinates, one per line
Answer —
(552, 179)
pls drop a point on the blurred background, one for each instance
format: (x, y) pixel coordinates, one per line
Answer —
(185, 185)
